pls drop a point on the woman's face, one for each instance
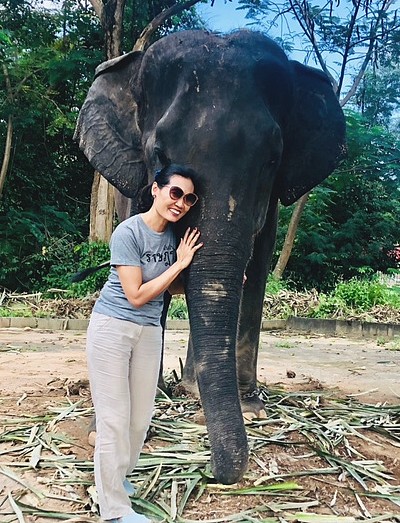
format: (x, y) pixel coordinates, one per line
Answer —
(170, 208)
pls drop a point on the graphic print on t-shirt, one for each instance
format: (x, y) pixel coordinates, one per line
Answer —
(167, 256)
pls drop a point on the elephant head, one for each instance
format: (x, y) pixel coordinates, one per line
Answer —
(256, 127)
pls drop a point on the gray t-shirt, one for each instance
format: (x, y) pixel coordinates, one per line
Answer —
(133, 243)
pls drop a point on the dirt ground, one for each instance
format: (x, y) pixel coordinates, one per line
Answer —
(40, 370)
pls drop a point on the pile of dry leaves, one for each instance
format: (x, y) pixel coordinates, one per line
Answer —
(281, 305)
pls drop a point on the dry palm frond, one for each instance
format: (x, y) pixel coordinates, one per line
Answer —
(174, 477)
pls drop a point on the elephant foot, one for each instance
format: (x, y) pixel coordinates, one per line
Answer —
(252, 406)
(190, 387)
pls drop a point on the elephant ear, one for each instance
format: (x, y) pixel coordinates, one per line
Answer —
(314, 138)
(107, 128)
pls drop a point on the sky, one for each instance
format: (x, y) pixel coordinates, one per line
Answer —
(222, 16)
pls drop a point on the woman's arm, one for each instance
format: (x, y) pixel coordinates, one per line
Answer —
(139, 293)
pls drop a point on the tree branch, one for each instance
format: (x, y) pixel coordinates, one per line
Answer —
(98, 7)
(347, 46)
(308, 30)
(10, 131)
(143, 41)
(367, 58)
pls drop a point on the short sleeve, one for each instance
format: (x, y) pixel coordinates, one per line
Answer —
(124, 247)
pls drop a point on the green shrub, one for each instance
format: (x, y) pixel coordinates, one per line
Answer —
(60, 259)
(329, 307)
(178, 308)
(91, 255)
(274, 286)
(364, 294)
(30, 243)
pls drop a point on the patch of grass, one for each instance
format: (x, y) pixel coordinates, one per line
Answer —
(20, 311)
(381, 342)
(394, 344)
(284, 345)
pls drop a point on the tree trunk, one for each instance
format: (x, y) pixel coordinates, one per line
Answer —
(290, 236)
(102, 203)
(101, 209)
(7, 154)
(10, 132)
(378, 35)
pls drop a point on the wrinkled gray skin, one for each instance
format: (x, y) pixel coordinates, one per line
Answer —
(257, 128)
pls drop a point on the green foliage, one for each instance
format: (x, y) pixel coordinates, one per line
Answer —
(66, 259)
(354, 296)
(90, 255)
(363, 294)
(26, 239)
(16, 311)
(49, 57)
(375, 107)
(178, 308)
(33, 259)
(285, 345)
(274, 286)
(350, 223)
(394, 344)
(329, 306)
(363, 299)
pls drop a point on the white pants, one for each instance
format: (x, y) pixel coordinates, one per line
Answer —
(123, 363)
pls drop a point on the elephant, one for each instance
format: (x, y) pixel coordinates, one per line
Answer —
(258, 129)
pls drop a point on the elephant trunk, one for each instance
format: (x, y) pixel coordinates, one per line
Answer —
(213, 291)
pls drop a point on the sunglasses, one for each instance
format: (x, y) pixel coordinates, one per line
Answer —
(176, 193)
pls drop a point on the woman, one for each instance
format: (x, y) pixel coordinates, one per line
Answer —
(125, 337)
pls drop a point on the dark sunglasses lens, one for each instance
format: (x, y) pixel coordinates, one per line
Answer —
(190, 199)
(175, 193)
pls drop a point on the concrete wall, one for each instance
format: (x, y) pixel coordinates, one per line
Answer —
(309, 325)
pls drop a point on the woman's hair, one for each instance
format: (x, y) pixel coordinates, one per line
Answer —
(162, 178)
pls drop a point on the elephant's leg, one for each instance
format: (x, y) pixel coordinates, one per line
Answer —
(251, 315)
(167, 300)
(189, 379)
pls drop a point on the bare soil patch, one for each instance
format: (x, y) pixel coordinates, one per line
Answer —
(329, 445)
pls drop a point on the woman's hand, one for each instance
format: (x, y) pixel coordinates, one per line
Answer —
(188, 247)
(139, 293)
